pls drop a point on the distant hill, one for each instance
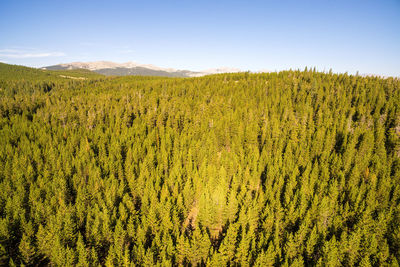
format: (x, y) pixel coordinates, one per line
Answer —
(132, 68)
(16, 72)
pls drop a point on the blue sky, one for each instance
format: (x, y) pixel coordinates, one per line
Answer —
(347, 36)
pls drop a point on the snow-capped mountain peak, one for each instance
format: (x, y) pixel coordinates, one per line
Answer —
(134, 68)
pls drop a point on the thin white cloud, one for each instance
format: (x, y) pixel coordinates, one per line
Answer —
(13, 53)
(9, 51)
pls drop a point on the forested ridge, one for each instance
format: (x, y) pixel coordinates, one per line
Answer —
(290, 168)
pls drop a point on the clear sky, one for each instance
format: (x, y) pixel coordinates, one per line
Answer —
(347, 35)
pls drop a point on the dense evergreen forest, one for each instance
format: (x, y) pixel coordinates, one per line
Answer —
(290, 168)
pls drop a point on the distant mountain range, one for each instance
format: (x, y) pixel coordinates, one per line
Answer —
(132, 68)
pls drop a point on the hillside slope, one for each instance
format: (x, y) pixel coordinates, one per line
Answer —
(15, 72)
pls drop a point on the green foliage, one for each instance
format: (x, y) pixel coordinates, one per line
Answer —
(290, 168)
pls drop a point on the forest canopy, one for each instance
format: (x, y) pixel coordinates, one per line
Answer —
(289, 168)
